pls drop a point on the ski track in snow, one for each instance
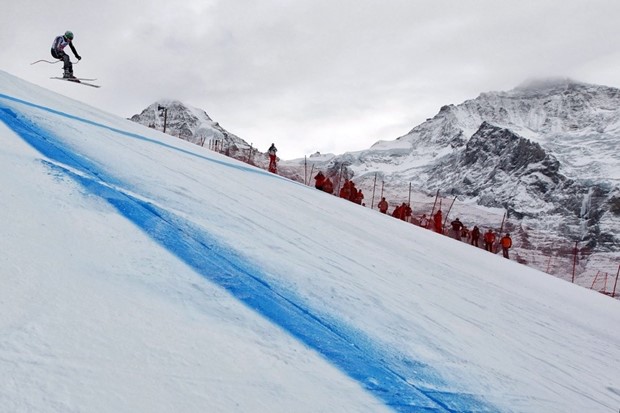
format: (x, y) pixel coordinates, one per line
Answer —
(381, 371)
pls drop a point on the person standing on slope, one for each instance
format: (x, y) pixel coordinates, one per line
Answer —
(489, 240)
(328, 186)
(475, 235)
(320, 181)
(457, 226)
(506, 243)
(60, 42)
(383, 206)
(437, 220)
(272, 158)
(424, 221)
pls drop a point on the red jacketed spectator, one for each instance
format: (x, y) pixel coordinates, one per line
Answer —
(437, 219)
(506, 243)
(345, 191)
(383, 206)
(397, 213)
(407, 211)
(328, 186)
(353, 193)
(359, 197)
(489, 240)
(320, 181)
(272, 158)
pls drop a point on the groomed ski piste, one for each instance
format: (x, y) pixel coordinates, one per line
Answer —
(142, 273)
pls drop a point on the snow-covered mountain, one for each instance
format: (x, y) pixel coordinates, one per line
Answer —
(194, 125)
(545, 152)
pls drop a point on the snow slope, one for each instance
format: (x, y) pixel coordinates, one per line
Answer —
(143, 273)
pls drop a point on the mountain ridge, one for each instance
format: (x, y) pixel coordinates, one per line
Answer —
(191, 124)
(550, 150)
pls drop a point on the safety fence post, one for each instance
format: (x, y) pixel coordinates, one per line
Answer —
(574, 261)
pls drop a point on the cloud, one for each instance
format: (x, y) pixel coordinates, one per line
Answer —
(313, 71)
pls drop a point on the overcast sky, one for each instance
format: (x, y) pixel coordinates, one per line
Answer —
(311, 75)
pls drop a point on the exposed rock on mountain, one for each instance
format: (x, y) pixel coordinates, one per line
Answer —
(194, 125)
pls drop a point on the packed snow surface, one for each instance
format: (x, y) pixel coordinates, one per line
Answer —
(144, 273)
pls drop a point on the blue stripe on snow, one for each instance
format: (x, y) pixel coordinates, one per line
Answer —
(403, 384)
(140, 137)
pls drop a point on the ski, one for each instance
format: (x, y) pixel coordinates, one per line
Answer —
(76, 80)
(79, 78)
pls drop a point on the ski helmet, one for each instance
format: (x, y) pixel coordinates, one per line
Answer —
(69, 34)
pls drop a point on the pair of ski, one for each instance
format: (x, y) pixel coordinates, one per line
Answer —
(81, 80)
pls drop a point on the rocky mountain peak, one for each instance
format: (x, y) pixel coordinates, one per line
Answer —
(193, 125)
(515, 152)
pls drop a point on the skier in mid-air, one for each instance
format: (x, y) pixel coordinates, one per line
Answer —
(59, 44)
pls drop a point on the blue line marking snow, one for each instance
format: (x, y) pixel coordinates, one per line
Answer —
(137, 136)
(403, 384)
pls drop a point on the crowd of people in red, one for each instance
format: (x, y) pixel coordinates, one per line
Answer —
(404, 212)
(323, 183)
(461, 233)
(348, 190)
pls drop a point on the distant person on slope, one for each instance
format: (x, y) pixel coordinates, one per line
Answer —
(506, 243)
(272, 158)
(489, 240)
(465, 233)
(407, 212)
(328, 186)
(320, 181)
(359, 197)
(475, 235)
(424, 221)
(383, 205)
(437, 220)
(345, 191)
(60, 42)
(457, 226)
(398, 212)
(353, 192)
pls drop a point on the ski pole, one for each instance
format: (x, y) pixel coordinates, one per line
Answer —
(52, 63)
